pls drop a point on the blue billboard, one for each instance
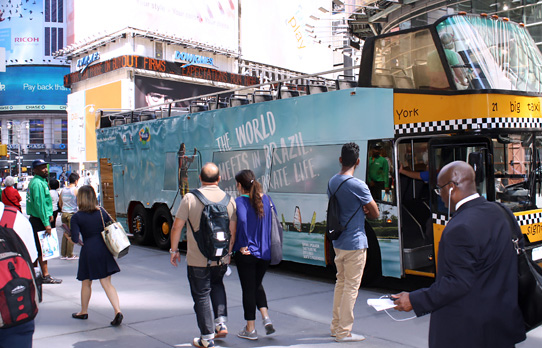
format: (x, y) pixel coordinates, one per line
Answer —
(33, 88)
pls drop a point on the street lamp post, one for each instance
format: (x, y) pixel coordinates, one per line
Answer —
(18, 129)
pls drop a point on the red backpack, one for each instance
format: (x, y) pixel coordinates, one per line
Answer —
(18, 290)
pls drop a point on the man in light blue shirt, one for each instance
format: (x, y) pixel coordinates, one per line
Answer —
(351, 247)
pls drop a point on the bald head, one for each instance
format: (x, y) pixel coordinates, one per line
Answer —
(461, 178)
(209, 174)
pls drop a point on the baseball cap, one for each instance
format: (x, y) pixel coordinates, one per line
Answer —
(38, 162)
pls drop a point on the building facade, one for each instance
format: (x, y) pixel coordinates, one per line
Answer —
(33, 98)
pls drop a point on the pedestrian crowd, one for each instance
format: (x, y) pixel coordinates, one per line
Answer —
(80, 216)
(472, 303)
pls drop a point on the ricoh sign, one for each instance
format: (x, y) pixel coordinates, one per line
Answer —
(26, 39)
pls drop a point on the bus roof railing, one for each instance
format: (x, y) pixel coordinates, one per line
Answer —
(254, 93)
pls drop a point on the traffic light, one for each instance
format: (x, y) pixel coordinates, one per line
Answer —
(3, 150)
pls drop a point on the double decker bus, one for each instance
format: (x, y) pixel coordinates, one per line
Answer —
(464, 88)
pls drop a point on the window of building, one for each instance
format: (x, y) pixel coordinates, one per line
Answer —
(54, 32)
(60, 131)
(9, 125)
(54, 11)
(36, 134)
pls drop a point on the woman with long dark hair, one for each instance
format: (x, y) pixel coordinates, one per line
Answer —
(252, 250)
(95, 260)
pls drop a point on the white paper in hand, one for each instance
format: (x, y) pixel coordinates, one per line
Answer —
(380, 303)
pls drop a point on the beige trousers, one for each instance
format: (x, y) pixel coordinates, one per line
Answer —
(350, 265)
(66, 248)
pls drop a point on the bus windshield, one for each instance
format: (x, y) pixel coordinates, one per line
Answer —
(486, 53)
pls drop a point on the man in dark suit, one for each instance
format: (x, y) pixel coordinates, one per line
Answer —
(474, 300)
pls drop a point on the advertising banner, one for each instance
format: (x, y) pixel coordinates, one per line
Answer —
(33, 88)
(211, 22)
(275, 33)
(76, 122)
(21, 31)
(160, 66)
(149, 91)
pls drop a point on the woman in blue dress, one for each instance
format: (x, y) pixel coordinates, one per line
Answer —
(95, 260)
(252, 250)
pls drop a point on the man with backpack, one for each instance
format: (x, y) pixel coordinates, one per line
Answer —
(210, 213)
(354, 201)
(17, 315)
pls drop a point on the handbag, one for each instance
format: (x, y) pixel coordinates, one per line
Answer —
(529, 283)
(276, 237)
(115, 237)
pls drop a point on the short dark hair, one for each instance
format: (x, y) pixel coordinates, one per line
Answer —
(349, 154)
(72, 179)
(54, 184)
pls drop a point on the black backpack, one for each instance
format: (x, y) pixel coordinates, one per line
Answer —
(334, 228)
(18, 289)
(213, 236)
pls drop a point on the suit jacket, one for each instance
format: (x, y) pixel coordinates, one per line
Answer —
(474, 299)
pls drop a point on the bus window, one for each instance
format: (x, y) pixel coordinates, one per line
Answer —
(380, 170)
(516, 163)
(475, 155)
(413, 165)
(409, 61)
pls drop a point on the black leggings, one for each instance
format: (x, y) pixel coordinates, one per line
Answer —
(251, 272)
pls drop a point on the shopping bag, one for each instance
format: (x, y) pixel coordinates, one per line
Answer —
(49, 244)
(115, 238)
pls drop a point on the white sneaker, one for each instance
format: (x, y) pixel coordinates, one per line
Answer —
(351, 338)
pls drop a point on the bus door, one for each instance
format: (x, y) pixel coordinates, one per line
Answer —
(474, 150)
(118, 181)
(417, 255)
(107, 194)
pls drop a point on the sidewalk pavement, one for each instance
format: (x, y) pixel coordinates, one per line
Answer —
(157, 307)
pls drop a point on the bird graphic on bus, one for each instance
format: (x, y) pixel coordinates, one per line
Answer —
(297, 219)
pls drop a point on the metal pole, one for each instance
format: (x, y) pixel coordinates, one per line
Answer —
(19, 159)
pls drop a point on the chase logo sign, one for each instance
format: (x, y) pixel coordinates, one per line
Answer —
(84, 62)
(144, 135)
(192, 59)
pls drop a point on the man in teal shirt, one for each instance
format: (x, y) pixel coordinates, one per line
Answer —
(39, 208)
(378, 174)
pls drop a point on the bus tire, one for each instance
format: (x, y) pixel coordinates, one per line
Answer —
(162, 222)
(140, 226)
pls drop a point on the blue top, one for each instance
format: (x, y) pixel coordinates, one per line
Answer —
(350, 196)
(253, 232)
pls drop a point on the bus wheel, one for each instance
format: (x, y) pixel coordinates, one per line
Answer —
(161, 225)
(140, 226)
